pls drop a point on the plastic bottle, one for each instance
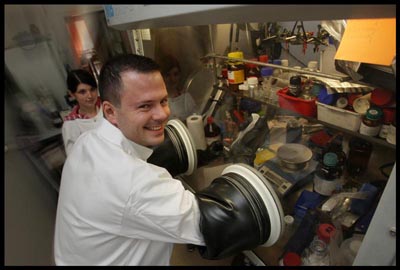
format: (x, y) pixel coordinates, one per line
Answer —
(212, 131)
(327, 175)
(288, 231)
(266, 74)
(285, 75)
(252, 70)
(236, 74)
(312, 66)
(252, 84)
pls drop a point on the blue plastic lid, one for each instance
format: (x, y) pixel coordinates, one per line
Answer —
(277, 62)
(326, 98)
(330, 159)
(266, 71)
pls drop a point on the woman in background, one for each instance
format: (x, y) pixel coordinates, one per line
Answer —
(88, 113)
(181, 103)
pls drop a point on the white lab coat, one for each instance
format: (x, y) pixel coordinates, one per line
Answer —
(72, 129)
(114, 208)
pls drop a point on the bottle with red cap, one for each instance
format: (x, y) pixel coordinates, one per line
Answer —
(252, 70)
(263, 58)
(290, 259)
(212, 131)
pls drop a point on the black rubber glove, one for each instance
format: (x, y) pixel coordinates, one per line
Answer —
(233, 217)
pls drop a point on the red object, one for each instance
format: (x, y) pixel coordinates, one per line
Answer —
(320, 138)
(263, 58)
(352, 97)
(381, 97)
(225, 72)
(325, 232)
(299, 105)
(291, 259)
(388, 115)
(239, 116)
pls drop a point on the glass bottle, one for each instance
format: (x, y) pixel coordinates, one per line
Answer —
(236, 68)
(371, 122)
(294, 86)
(266, 74)
(212, 131)
(358, 158)
(316, 254)
(231, 129)
(252, 70)
(327, 175)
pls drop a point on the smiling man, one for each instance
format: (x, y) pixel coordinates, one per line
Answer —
(115, 208)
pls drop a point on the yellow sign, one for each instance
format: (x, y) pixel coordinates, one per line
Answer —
(370, 41)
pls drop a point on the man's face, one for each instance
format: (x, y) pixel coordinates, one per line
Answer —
(144, 109)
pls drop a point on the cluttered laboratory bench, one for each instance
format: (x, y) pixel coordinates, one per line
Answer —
(311, 216)
(327, 209)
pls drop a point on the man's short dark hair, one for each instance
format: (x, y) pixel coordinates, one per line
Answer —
(110, 82)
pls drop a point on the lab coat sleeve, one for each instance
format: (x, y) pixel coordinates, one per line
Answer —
(162, 210)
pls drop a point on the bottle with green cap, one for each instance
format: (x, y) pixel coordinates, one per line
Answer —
(372, 122)
(327, 175)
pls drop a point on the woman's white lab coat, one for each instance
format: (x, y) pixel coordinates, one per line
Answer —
(72, 129)
(114, 208)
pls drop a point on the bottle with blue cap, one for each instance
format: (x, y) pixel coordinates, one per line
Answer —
(327, 175)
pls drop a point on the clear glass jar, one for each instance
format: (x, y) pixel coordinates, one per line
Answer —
(316, 254)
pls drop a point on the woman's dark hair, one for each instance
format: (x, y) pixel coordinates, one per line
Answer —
(167, 63)
(110, 83)
(77, 76)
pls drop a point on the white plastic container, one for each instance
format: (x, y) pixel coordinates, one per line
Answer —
(339, 117)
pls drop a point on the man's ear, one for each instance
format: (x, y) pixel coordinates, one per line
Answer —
(110, 113)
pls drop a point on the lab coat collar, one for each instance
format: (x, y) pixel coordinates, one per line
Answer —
(114, 135)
